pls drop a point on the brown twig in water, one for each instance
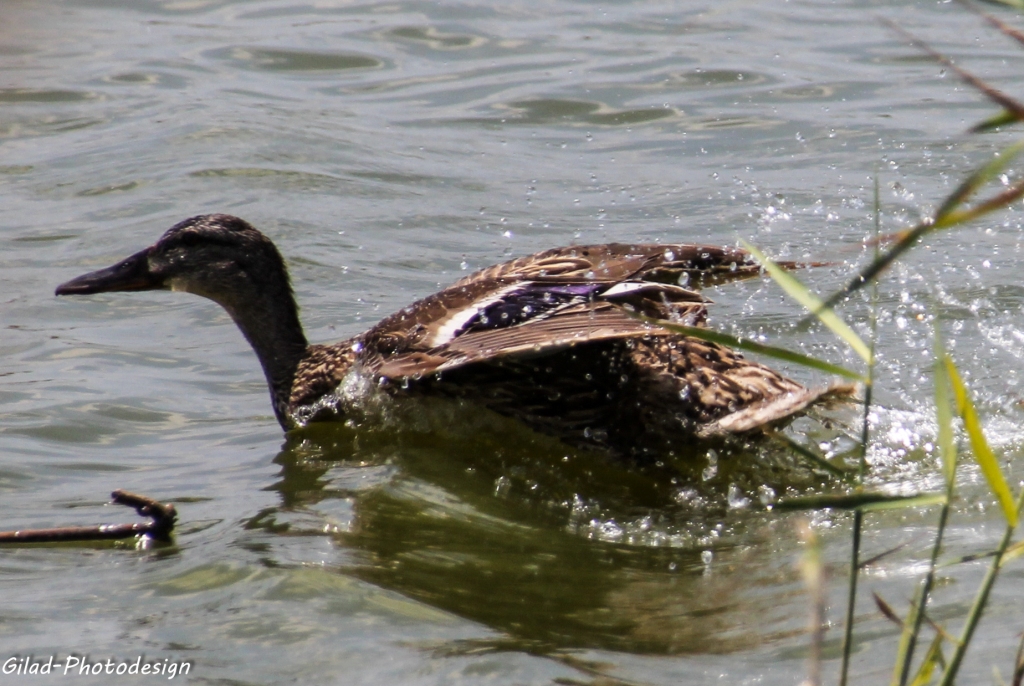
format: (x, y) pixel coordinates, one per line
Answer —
(160, 528)
(891, 615)
(885, 553)
(1006, 29)
(993, 94)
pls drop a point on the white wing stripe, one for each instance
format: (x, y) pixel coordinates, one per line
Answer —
(447, 332)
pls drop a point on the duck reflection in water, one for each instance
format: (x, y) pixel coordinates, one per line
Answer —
(551, 547)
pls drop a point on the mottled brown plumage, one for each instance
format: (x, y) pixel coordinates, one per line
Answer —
(551, 338)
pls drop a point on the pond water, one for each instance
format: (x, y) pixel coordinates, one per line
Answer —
(387, 148)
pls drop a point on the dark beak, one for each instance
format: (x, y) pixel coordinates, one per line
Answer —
(131, 274)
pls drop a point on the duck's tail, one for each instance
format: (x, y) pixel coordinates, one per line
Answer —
(775, 410)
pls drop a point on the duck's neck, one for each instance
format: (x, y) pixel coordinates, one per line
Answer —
(273, 329)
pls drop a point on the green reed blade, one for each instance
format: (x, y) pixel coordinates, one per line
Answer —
(1004, 118)
(1013, 552)
(908, 637)
(866, 501)
(980, 600)
(926, 587)
(996, 202)
(983, 454)
(814, 579)
(944, 411)
(947, 217)
(865, 436)
(812, 457)
(851, 596)
(969, 186)
(932, 658)
(812, 302)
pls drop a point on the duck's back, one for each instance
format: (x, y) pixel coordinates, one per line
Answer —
(624, 261)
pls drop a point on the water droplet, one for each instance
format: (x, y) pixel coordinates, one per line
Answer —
(502, 485)
(736, 498)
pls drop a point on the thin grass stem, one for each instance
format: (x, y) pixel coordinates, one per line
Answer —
(909, 626)
(851, 597)
(1018, 664)
(814, 578)
(810, 456)
(948, 453)
(926, 587)
(865, 435)
(980, 600)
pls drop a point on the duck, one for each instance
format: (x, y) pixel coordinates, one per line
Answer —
(572, 341)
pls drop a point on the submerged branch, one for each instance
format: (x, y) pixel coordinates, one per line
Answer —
(160, 528)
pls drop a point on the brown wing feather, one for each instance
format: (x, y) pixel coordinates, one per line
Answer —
(579, 325)
(717, 389)
(621, 261)
(412, 328)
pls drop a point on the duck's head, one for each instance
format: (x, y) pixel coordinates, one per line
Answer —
(226, 260)
(217, 256)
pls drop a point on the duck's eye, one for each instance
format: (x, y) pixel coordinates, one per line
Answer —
(189, 238)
